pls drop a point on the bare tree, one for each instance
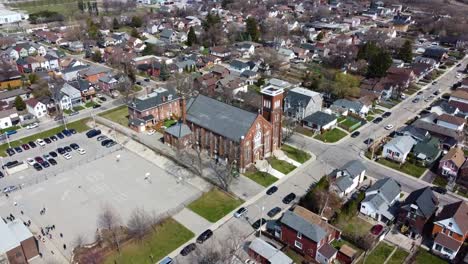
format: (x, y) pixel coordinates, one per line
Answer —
(139, 223)
(125, 88)
(224, 173)
(110, 221)
(289, 125)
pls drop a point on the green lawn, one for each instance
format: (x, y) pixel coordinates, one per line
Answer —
(331, 136)
(67, 7)
(349, 122)
(169, 122)
(338, 243)
(79, 126)
(380, 253)
(408, 168)
(78, 108)
(118, 115)
(354, 226)
(168, 236)
(424, 257)
(440, 181)
(263, 178)
(341, 119)
(369, 118)
(89, 104)
(295, 154)
(215, 204)
(281, 165)
(296, 257)
(9, 129)
(398, 257)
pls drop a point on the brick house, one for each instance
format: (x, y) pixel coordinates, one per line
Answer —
(308, 234)
(450, 229)
(417, 212)
(18, 244)
(231, 133)
(150, 109)
(450, 164)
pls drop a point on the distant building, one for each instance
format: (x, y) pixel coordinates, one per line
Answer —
(17, 243)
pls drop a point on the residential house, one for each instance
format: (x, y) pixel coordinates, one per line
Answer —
(221, 52)
(451, 122)
(348, 177)
(450, 229)
(220, 71)
(417, 134)
(462, 178)
(428, 151)
(69, 97)
(417, 212)
(308, 234)
(380, 200)
(459, 99)
(398, 148)
(36, 108)
(107, 83)
(232, 85)
(301, 102)
(71, 73)
(10, 79)
(286, 54)
(356, 107)
(443, 107)
(451, 162)
(206, 84)
(319, 121)
(7, 97)
(6, 117)
(246, 49)
(157, 106)
(436, 53)
(445, 134)
(86, 89)
(93, 73)
(238, 66)
(76, 46)
(264, 253)
(168, 35)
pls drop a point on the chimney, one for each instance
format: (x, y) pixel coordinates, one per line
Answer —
(183, 109)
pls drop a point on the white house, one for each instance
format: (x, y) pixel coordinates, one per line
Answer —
(69, 97)
(380, 198)
(238, 66)
(301, 102)
(451, 122)
(286, 54)
(341, 106)
(398, 148)
(8, 16)
(6, 117)
(349, 177)
(71, 73)
(36, 108)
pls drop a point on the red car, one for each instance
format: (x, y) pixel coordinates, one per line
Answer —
(377, 230)
(25, 146)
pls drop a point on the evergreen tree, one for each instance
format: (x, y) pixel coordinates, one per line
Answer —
(134, 33)
(191, 37)
(368, 51)
(20, 105)
(252, 29)
(320, 36)
(115, 23)
(81, 6)
(164, 73)
(379, 64)
(97, 56)
(406, 52)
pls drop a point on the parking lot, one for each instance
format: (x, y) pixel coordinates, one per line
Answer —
(31, 176)
(74, 198)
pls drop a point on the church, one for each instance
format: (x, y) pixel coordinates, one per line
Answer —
(227, 132)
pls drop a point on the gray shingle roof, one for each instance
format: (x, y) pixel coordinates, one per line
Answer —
(388, 188)
(311, 231)
(237, 64)
(179, 130)
(154, 99)
(347, 104)
(403, 144)
(320, 118)
(425, 200)
(354, 168)
(273, 255)
(343, 183)
(223, 119)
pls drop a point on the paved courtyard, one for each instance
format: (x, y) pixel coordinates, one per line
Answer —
(74, 198)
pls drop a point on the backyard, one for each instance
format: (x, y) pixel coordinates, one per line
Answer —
(263, 178)
(423, 257)
(295, 154)
(168, 236)
(281, 165)
(354, 226)
(379, 254)
(118, 115)
(407, 167)
(398, 257)
(79, 126)
(331, 136)
(350, 124)
(64, 7)
(440, 181)
(214, 205)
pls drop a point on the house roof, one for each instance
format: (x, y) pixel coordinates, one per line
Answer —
(457, 211)
(327, 251)
(267, 251)
(300, 96)
(179, 130)
(403, 144)
(438, 130)
(425, 200)
(456, 155)
(348, 104)
(93, 70)
(429, 148)
(314, 219)
(387, 188)
(343, 183)
(12, 235)
(32, 102)
(448, 242)
(307, 229)
(223, 119)
(320, 118)
(451, 119)
(237, 64)
(460, 105)
(153, 99)
(348, 251)
(462, 94)
(415, 132)
(12, 93)
(353, 167)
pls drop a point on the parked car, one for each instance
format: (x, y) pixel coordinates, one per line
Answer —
(274, 211)
(289, 198)
(74, 146)
(204, 236)
(389, 127)
(377, 120)
(187, 249)
(96, 106)
(30, 161)
(38, 159)
(45, 164)
(111, 144)
(101, 138)
(434, 82)
(9, 189)
(151, 132)
(10, 151)
(81, 151)
(53, 138)
(257, 224)
(32, 144)
(67, 149)
(46, 156)
(18, 149)
(61, 151)
(240, 212)
(60, 135)
(47, 140)
(74, 113)
(439, 189)
(93, 132)
(73, 131)
(66, 132)
(272, 190)
(25, 146)
(355, 134)
(37, 166)
(53, 154)
(386, 114)
(52, 161)
(368, 141)
(377, 230)
(9, 164)
(40, 142)
(67, 156)
(416, 100)
(102, 98)
(31, 126)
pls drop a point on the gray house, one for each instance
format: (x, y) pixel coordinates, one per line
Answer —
(348, 177)
(380, 200)
(348, 106)
(319, 121)
(301, 102)
(398, 148)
